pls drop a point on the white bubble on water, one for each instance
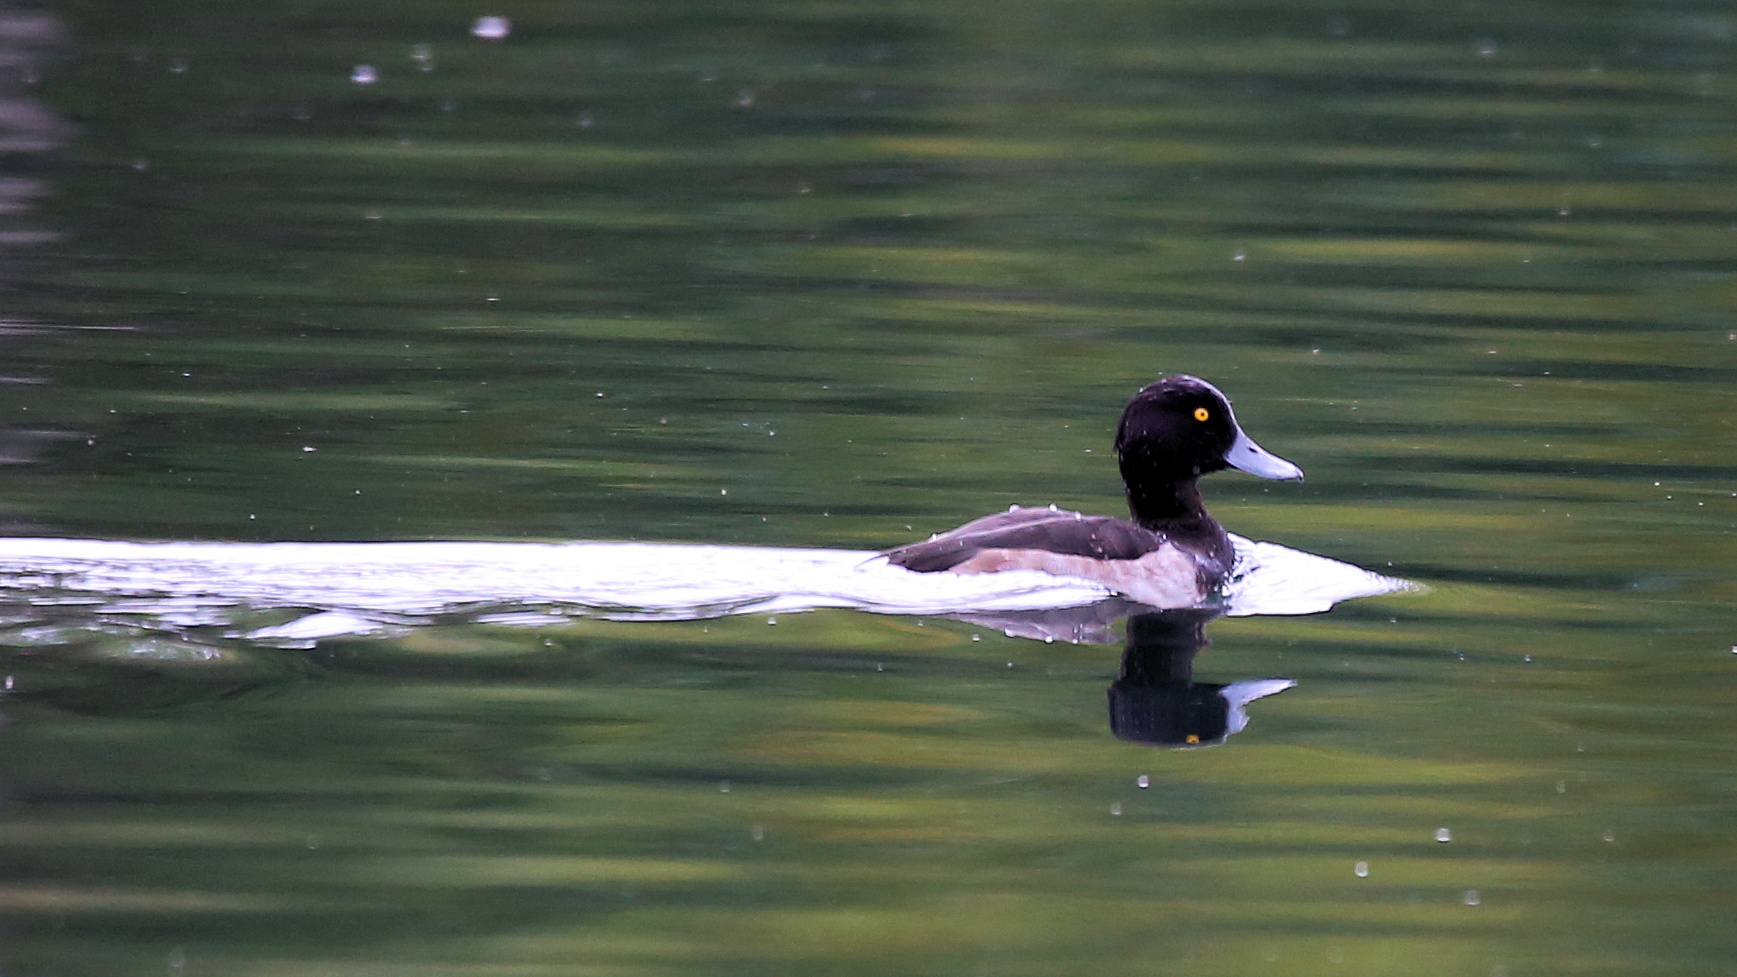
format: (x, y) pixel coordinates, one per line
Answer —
(491, 28)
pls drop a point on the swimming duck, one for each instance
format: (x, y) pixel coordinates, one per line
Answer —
(1172, 553)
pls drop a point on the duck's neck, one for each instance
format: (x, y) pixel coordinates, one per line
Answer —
(1161, 506)
(1176, 510)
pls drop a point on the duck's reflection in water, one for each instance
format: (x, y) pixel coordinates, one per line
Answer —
(1154, 698)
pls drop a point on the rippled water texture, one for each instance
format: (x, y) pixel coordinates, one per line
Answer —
(751, 291)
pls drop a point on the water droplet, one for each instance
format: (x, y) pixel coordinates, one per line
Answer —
(1472, 897)
(1239, 256)
(1116, 810)
(757, 832)
(1142, 781)
(1361, 870)
(178, 66)
(1487, 48)
(723, 786)
(364, 74)
(491, 28)
(1443, 835)
(1609, 834)
(771, 620)
(313, 842)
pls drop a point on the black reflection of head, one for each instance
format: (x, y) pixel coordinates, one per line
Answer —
(1155, 699)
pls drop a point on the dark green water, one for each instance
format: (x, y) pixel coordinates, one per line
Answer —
(844, 274)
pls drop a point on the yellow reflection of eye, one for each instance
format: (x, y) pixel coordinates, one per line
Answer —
(1201, 413)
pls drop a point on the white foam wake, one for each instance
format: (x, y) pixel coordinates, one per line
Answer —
(352, 588)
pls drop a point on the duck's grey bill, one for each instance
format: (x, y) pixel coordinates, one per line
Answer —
(1244, 455)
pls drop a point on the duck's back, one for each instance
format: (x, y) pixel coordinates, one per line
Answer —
(1050, 530)
(1142, 564)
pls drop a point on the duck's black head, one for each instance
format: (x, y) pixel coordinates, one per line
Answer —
(1175, 431)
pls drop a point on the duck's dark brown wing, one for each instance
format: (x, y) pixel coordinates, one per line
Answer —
(1050, 530)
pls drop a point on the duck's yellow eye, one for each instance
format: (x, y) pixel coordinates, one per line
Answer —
(1194, 738)
(1201, 413)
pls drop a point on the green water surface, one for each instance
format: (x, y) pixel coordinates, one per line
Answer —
(843, 274)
